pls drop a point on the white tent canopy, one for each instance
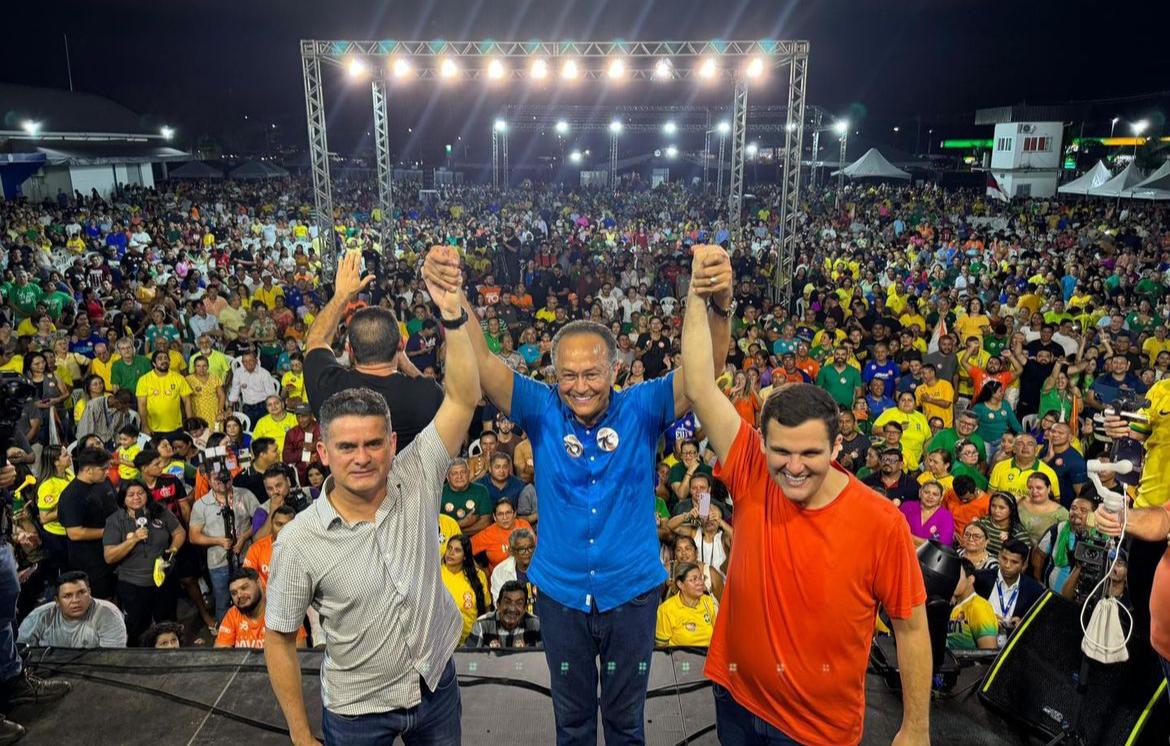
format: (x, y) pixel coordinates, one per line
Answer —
(1121, 184)
(1091, 179)
(1157, 186)
(872, 165)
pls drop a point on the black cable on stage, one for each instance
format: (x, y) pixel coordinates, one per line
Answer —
(700, 732)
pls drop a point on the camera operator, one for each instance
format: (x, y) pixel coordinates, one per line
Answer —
(221, 520)
(265, 454)
(280, 491)
(1064, 556)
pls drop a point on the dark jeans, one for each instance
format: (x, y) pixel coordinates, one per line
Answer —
(9, 592)
(433, 722)
(737, 726)
(623, 637)
(144, 605)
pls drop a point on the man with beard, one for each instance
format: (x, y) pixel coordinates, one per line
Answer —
(243, 625)
(510, 625)
(1054, 557)
(1035, 368)
(966, 423)
(854, 444)
(164, 397)
(841, 380)
(890, 480)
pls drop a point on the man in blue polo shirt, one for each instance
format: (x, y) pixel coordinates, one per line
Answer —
(597, 567)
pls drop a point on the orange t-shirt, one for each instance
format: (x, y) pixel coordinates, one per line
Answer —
(748, 408)
(792, 639)
(238, 631)
(493, 540)
(259, 557)
(980, 377)
(965, 513)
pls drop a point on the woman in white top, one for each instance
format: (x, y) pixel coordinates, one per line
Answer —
(712, 537)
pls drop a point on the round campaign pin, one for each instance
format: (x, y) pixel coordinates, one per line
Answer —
(573, 446)
(607, 439)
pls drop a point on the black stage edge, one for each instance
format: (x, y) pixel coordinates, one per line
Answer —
(194, 696)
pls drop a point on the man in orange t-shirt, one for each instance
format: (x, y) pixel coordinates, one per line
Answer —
(259, 555)
(243, 625)
(815, 553)
(966, 502)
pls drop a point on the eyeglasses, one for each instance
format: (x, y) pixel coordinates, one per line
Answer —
(524, 550)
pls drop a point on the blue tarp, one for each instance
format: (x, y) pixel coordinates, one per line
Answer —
(15, 168)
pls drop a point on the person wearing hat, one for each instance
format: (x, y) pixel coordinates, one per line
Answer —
(300, 442)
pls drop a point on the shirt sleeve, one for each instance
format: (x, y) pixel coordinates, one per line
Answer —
(31, 627)
(744, 465)
(662, 627)
(226, 636)
(112, 537)
(899, 585)
(111, 628)
(290, 589)
(529, 399)
(69, 512)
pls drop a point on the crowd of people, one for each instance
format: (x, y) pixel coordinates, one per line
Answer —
(177, 344)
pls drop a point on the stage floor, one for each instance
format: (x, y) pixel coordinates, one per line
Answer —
(198, 696)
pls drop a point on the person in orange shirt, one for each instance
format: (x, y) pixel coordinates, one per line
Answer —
(259, 555)
(491, 544)
(816, 553)
(243, 625)
(966, 502)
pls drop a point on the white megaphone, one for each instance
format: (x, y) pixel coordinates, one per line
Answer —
(1112, 501)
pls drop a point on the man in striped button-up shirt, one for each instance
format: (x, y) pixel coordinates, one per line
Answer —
(364, 556)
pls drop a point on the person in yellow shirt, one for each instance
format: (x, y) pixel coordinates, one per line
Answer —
(466, 583)
(75, 244)
(915, 428)
(9, 361)
(56, 474)
(687, 618)
(124, 454)
(1156, 344)
(267, 293)
(448, 529)
(103, 363)
(292, 383)
(938, 469)
(164, 397)
(275, 424)
(935, 396)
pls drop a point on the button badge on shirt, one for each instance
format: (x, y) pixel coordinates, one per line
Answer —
(573, 446)
(607, 439)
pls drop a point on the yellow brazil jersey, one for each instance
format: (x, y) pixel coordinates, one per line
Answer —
(1006, 476)
(1154, 488)
(15, 365)
(98, 368)
(267, 427)
(163, 394)
(679, 624)
(48, 493)
(292, 385)
(1152, 347)
(460, 590)
(946, 480)
(126, 456)
(448, 527)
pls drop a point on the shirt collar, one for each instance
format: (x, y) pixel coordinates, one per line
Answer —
(330, 516)
(1000, 579)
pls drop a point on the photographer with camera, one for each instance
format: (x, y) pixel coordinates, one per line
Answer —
(221, 521)
(279, 489)
(1070, 554)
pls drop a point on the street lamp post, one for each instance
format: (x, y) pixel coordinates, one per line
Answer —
(723, 128)
(1138, 128)
(615, 129)
(841, 127)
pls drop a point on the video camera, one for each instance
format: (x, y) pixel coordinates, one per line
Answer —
(15, 393)
(1091, 554)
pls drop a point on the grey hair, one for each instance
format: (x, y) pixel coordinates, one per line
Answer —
(578, 327)
(520, 533)
(355, 402)
(968, 414)
(460, 461)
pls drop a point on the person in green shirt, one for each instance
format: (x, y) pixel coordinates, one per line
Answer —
(465, 501)
(966, 423)
(128, 368)
(679, 478)
(25, 295)
(56, 302)
(969, 463)
(841, 380)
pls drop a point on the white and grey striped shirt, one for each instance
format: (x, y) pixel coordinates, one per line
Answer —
(386, 615)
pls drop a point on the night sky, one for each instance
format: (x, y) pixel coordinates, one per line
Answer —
(203, 65)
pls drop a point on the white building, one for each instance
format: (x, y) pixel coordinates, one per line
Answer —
(1026, 158)
(54, 140)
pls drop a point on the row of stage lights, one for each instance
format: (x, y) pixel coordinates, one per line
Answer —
(402, 68)
(33, 128)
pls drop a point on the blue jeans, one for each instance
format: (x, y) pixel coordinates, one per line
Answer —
(9, 593)
(624, 639)
(737, 726)
(433, 722)
(220, 580)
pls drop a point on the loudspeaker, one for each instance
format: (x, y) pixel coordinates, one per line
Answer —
(1034, 681)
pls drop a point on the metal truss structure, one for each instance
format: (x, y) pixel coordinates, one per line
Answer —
(542, 62)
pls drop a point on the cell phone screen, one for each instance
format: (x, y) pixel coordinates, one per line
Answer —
(704, 504)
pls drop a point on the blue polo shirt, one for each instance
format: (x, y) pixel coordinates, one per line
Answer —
(598, 541)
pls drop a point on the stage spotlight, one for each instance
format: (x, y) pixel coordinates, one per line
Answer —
(751, 150)
(569, 70)
(791, 126)
(31, 127)
(167, 132)
(841, 127)
(615, 127)
(708, 68)
(401, 68)
(562, 127)
(617, 69)
(723, 128)
(670, 128)
(1140, 126)
(495, 70)
(575, 156)
(662, 69)
(448, 69)
(539, 69)
(501, 125)
(357, 68)
(755, 68)
(671, 151)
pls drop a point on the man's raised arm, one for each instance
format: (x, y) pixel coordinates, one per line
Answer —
(460, 373)
(442, 272)
(711, 280)
(720, 420)
(347, 283)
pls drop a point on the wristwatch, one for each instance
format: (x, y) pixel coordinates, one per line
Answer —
(724, 312)
(455, 323)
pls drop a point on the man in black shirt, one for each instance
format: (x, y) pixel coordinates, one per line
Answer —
(854, 444)
(84, 506)
(890, 480)
(265, 454)
(372, 345)
(1036, 367)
